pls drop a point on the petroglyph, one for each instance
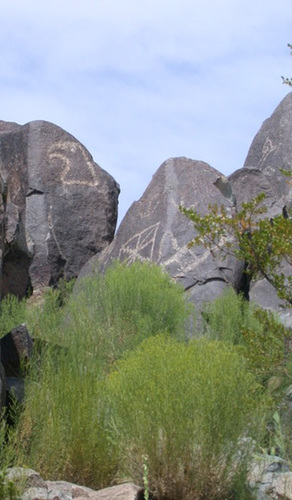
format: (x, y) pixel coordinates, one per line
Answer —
(140, 246)
(268, 147)
(65, 153)
(184, 258)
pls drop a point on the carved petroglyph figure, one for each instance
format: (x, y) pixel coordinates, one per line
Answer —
(140, 246)
(65, 153)
(268, 147)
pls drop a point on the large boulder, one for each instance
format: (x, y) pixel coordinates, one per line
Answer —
(57, 206)
(155, 230)
(16, 351)
(271, 149)
(269, 153)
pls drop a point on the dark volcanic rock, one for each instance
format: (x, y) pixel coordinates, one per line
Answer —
(59, 207)
(16, 349)
(155, 230)
(270, 151)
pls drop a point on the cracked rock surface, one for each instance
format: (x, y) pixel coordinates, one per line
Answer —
(57, 206)
(154, 229)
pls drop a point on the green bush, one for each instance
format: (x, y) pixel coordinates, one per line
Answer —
(8, 490)
(192, 410)
(12, 313)
(63, 429)
(259, 333)
(117, 310)
(44, 319)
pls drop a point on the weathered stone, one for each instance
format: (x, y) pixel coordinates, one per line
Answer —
(70, 489)
(15, 388)
(45, 494)
(271, 149)
(60, 207)
(126, 491)
(155, 230)
(16, 350)
(25, 478)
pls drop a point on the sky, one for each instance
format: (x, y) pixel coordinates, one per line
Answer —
(140, 81)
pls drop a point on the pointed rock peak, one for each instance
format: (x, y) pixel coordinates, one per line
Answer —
(271, 149)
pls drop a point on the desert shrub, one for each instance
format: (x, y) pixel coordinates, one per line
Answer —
(117, 310)
(45, 319)
(192, 410)
(12, 313)
(264, 343)
(258, 333)
(63, 429)
(8, 490)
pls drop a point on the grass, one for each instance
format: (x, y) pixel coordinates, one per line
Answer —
(109, 317)
(117, 391)
(187, 407)
(259, 334)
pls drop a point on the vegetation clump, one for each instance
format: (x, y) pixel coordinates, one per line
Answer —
(192, 409)
(119, 392)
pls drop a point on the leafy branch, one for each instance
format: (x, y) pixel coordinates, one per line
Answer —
(264, 244)
(288, 81)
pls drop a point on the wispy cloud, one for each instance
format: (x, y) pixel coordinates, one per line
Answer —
(138, 82)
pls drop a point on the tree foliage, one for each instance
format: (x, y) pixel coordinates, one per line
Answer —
(288, 81)
(264, 244)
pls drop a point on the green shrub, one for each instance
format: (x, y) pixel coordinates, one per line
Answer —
(192, 411)
(8, 490)
(116, 311)
(258, 333)
(12, 313)
(45, 319)
(63, 429)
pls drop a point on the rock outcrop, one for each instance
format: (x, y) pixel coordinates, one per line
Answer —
(57, 206)
(16, 349)
(269, 153)
(269, 478)
(154, 229)
(35, 488)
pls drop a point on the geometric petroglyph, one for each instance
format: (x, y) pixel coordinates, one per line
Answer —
(180, 258)
(65, 153)
(140, 246)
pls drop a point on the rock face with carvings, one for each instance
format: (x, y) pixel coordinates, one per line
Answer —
(154, 229)
(57, 206)
(270, 151)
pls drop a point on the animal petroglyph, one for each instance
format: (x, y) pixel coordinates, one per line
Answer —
(268, 147)
(183, 258)
(140, 246)
(65, 152)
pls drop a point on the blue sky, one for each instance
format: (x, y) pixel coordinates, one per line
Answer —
(140, 81)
